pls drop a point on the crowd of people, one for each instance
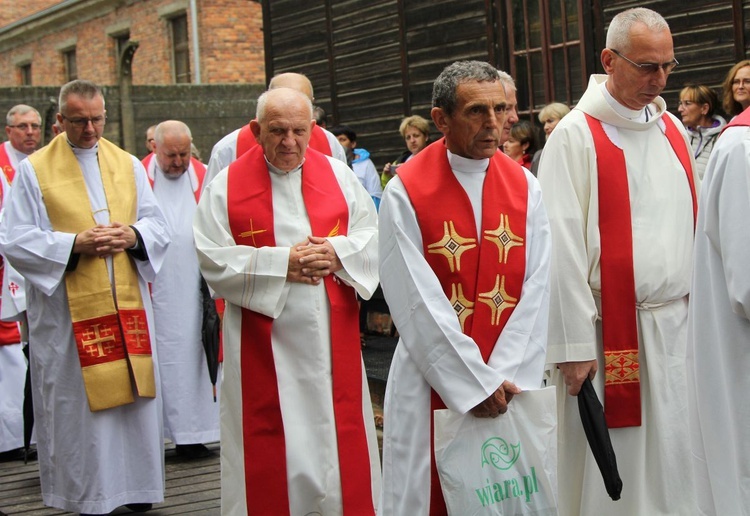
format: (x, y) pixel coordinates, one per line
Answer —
(614, 252)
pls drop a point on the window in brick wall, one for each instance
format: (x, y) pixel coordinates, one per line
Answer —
(25, 74)
(71, 66)
(180, 48)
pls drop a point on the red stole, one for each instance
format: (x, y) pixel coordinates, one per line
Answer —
(740, 120)
(198, 167)
(318, 141)
(9, 333)
(250, 211)
(482, 276)
(622, 388)
(5, 163)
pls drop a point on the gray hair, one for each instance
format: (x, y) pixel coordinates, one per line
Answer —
(618, 33)
(506, 80)
(288, 93)
(174, 127)
(444, 89)
(553, 110)
(20, 109)
(81, 88)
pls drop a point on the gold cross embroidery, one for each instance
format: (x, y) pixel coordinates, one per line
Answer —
(136, 330)
(504, 238)
(462, 306)
(498, 299)
(452, 246)
(252, 233)
(94, 339)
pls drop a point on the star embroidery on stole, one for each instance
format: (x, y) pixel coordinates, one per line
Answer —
(452, 246)
(498, 299)
(251, 233)
(504, 238)
(462, 306)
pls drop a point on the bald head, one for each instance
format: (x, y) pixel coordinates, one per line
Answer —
(283, 126)
(295, 81)
(172, 140)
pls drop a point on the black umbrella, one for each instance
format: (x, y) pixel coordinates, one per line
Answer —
(28, 409)
(210, 333)
(597, 434)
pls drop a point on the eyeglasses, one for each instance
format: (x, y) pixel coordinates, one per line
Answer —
(26, 127)
(650, 68)
(96, 121)
(744, 82)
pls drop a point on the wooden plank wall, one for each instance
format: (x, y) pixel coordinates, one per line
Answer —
(704, 40)
(373, 62)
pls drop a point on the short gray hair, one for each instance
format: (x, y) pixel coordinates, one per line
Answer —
(444, 89)
(260, 110)
(507, 81)
(81, 88)
(20, 109)
(618, 33)
(171, 127)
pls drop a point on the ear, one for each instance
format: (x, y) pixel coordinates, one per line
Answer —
(525, 146)
(704, 109)
(7, 131)
(439, 119)
(255, 128)
(607, 59)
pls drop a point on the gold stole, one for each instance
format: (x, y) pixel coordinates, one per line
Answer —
(110, 333)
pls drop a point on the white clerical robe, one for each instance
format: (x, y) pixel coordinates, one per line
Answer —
(190, 413)
(719, 331)
(255, 278)
(225, 152)
(89, 462)
(433, 352)
(653, 459)
(12, 360)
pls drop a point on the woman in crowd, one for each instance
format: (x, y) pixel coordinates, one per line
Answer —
(697, 108)
(551, 114)
(522, 143)
(416, 133)
(736, 88)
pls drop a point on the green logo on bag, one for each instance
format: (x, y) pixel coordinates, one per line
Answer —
(497, 452)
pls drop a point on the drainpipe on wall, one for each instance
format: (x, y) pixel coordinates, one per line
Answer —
(196, 42)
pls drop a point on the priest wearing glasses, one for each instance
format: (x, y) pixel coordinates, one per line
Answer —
(84, 229)
(619, 185)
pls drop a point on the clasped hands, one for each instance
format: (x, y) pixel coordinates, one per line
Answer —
(105, 240)
(312, 260)
(498, 401)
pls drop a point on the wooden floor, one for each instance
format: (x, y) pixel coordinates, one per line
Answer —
(192, 488)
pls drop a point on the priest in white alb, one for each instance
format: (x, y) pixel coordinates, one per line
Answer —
(619, 185)
(84, 230)
(287, 236)
(191, 412)
(719, 329)
(465, 261)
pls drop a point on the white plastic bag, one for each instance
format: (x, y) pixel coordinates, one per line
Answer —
(501, 466)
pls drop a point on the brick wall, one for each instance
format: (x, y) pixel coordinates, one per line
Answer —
(12, 10)
(230, 37)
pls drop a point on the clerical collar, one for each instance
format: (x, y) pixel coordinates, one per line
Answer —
(639, 115)
(80, 150)
(280, 172)
(467, 165)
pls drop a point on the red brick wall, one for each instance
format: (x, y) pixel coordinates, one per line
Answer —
(13, 11)
(230, 36)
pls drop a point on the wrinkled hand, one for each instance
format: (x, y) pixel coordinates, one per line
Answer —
(498, 401)
(104, 240)
(574, 374)
(312, 260)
